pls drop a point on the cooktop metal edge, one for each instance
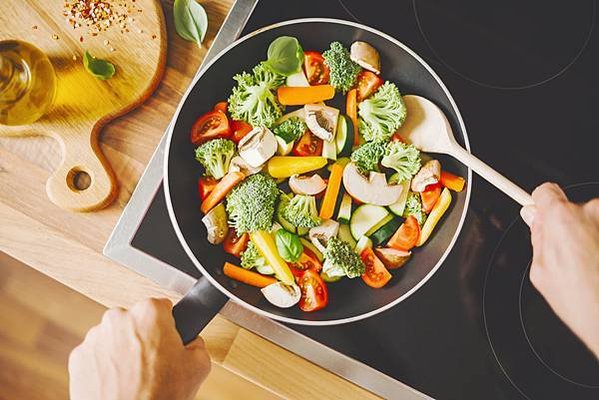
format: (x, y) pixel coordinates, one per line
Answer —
(119, 249)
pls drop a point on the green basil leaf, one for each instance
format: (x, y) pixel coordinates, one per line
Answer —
(100, 69)
(289, 245)
(285, 55)
(191, 21)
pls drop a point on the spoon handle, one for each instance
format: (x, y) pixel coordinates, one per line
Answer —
(492, 176)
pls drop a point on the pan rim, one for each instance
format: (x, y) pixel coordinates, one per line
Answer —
(228, 293)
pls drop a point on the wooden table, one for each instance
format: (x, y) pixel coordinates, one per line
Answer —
(68, 246)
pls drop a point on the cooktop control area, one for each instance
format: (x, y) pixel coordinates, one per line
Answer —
(524, 76)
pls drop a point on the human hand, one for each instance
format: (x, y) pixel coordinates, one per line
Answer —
(137, 354)
(565, 264)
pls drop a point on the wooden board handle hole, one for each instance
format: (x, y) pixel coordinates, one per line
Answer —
(78, 180)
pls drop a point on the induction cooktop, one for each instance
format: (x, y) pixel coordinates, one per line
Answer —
(524, 76)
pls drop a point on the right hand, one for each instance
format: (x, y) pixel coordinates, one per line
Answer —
(565, 264)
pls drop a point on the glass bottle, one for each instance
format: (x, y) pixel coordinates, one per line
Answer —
(27, 83)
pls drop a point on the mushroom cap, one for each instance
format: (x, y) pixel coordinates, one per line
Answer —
(371, 190)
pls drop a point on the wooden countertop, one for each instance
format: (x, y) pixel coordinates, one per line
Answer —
(68, 246)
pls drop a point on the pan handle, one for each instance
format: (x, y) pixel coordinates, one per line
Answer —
(197, 308)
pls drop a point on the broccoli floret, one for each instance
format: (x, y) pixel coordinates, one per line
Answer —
(291, 129)
(215, 155)
(382, 113)
(368, 156)
(344, 72)
(301, 211)
(414, 207)
(341, 260)
(254, 99)
(251, 204)
(403, 158)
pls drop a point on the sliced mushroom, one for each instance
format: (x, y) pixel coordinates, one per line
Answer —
(392, 258)
(371, 190)
(238, 164)
(216, 224)
(282, 295)
(258, 146)
(366, 56)
(429, 174)
(321, 120)
(307, 185)
(320, 235)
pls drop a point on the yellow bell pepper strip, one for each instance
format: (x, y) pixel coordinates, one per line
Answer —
(332, 192)
(451, 181)
(433, 218)
(266, 245)
(248, 277)
(298, 96)
(286, 166)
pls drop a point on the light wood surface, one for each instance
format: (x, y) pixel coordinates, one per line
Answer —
(84, 104)
(68, 246)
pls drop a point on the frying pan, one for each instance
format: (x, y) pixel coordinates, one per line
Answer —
(349, 300)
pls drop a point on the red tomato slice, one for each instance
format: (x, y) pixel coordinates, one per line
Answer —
(239, 129)
(221, 106)
(308, 145)
(368, 83)
(234, 244)
(406, 237)
(308, 260)
(375, 275)
(430, 195)
(317, 71)
(214, 124)
(315, 295)
(205, 186)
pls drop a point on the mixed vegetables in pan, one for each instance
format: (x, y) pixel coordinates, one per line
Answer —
(304, 194)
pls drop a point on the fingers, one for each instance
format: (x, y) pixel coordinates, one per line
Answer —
(528, 214)
(547, 194)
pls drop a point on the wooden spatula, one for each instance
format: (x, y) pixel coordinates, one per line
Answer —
(427, 128)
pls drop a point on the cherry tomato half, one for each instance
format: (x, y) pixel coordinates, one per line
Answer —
(221, 106)
(308, 145)
(234, 244)
(308, 260)
(368, 83)
(315, 295)
(317, 71)
(375, 275)
(239, 129)
(406, 237)
(205, 186)
(214, 124)
(430, 195)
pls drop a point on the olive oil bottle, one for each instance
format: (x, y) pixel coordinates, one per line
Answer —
(27, 83)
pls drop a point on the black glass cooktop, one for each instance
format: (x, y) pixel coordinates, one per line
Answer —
(524, 76)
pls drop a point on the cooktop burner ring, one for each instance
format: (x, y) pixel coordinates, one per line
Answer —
(557, 70)
(516, 320)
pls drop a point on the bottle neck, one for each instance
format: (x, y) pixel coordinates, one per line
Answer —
(14, 79)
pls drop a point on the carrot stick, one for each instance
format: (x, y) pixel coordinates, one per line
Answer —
(451, 181)
(220, 190)
(351, 109)
(297, 96)
(330, 196)
(247, 277)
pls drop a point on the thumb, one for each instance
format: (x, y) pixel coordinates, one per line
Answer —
(196, 344)
(528, 214)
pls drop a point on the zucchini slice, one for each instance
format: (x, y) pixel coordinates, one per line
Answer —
(345, 235)
(366, 217)
(362, 244)
(344, 137)
(329, 150)
(312, 248)
(344, 214)
(384, 233)
(399, 206)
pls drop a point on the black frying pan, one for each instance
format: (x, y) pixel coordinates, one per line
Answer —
(349, 300)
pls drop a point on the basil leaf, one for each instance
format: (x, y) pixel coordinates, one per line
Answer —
(285, 55)
(289, 245)
(100, 69)
(191, 21)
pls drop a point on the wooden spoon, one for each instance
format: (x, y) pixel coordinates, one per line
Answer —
(427, 128)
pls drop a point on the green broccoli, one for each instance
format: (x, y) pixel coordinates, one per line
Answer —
(215, 155)
(344, 72)
(251, 204)
(341, 260)
(291, 129)
(301, 211)
(414, 207)
(403, 158)
(254, 99)
(368, 155)
(252, 258)
(382, 113)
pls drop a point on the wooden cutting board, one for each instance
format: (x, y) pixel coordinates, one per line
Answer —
(135, 44)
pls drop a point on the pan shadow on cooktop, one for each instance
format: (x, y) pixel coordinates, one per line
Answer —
(540, 356)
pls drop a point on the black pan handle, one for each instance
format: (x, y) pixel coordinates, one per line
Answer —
(197, 308)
